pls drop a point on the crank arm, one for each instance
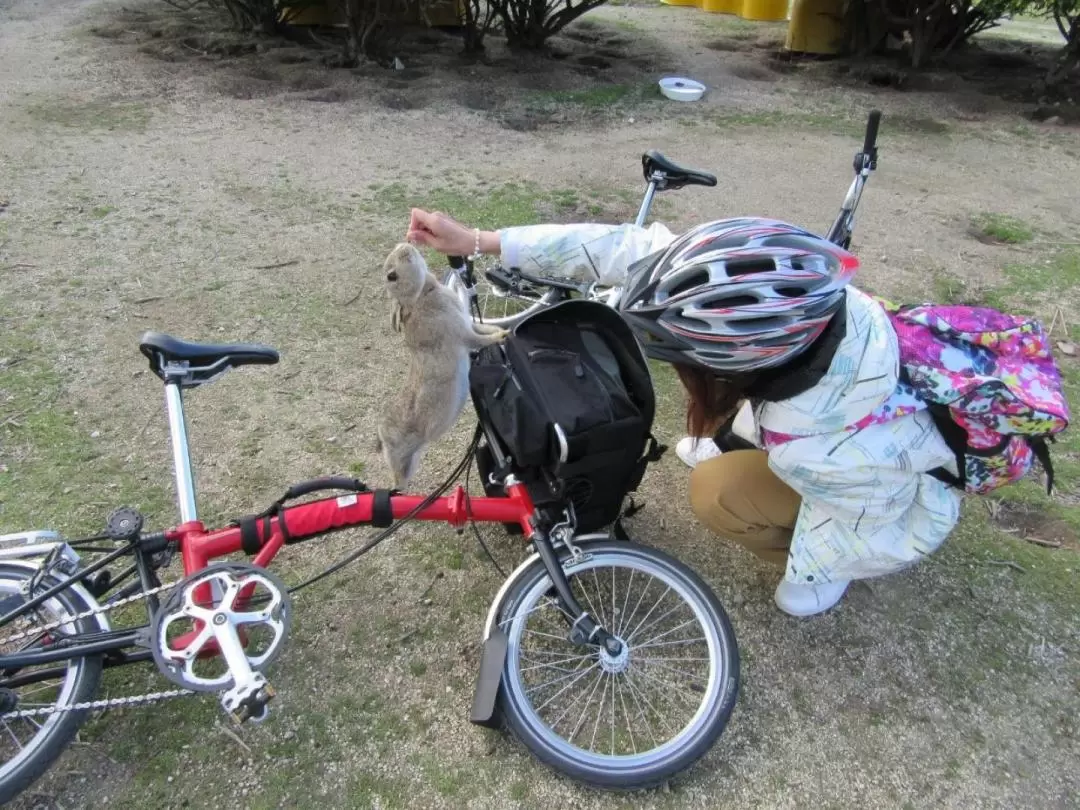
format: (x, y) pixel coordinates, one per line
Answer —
(250, 693)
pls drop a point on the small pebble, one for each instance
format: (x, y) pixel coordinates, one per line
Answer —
(95, 434)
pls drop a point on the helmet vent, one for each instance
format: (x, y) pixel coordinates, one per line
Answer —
(689, 283)
(745, 267)
(791, 292)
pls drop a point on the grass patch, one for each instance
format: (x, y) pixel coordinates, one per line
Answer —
(53, 469)
(1058, 274)
(91, 115)
(1002, 228)
(597, 98)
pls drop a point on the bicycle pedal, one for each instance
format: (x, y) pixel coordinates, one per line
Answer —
(253, 707)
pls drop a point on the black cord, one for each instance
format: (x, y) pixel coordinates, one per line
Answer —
(472, 524)
(390, 530)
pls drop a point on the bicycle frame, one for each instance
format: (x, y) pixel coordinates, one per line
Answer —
(263, 537)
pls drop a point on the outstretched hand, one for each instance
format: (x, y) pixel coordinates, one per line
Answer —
(445, 234)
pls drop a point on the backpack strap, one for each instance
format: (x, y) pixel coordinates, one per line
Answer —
(956, 438)
(1042, 453)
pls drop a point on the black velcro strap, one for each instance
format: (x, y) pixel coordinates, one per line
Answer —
(656, 450)
(382, 514)
(249, 535)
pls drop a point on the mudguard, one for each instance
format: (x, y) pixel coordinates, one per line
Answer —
(484, 711)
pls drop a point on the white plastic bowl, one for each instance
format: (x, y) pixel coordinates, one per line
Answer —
(678, 88)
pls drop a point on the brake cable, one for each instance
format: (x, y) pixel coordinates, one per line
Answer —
(394, 527)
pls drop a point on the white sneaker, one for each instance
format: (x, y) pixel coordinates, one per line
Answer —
(807, 600)
(693, 454)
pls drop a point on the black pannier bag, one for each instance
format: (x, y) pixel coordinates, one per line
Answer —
(570, 400)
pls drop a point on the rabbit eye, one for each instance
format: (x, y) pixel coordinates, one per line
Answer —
(392, 275)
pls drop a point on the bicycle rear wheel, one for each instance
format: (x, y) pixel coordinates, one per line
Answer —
(30, 744)
(635, 720)
(493, 304)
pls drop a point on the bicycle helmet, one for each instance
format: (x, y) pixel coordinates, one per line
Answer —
(737, 295)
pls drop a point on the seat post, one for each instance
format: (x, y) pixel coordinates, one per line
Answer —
(185, 482)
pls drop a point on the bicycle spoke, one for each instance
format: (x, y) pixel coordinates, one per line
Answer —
(600, 600)
(653, 623)
(624, 619)
(649, 643)
(668, 689)
(634, 687)
(626, 714)
(599, 713)
(578, 678)
(571, 705)
(12, 733)
(638, 605)
(670, 643)
(656, 604)
(581, 720)
(554, 681)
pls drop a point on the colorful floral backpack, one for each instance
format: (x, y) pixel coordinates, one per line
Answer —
(991, 384)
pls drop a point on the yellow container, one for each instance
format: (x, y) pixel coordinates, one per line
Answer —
(817, 26)
(764, 10)
(760, 10)
(722, 6)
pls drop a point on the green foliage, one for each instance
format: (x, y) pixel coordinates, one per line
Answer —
(929, 29)
(528, 24)
(1003, 228)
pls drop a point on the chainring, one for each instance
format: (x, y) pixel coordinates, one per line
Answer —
(207, 621)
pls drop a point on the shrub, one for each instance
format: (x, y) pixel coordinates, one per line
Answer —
(929, 29)
(528, 23)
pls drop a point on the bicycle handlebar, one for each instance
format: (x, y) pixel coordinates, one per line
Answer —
(870, 141)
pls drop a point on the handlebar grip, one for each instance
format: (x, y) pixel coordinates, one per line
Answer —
(871, 132)
(319, 484)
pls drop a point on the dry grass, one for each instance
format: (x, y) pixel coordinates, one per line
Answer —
(154, 200)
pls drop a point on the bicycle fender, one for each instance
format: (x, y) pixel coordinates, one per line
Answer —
(484, 711)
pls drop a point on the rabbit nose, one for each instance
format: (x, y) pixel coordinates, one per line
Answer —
(392, 275)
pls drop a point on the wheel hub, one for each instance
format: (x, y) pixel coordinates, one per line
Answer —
(615, 663)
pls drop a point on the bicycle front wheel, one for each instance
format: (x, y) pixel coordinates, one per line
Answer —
(637, 719)
(36, 723)
(493, 304)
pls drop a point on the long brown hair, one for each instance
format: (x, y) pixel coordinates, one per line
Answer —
(710, 400)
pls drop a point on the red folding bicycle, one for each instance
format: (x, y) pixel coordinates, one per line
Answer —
(611, 661)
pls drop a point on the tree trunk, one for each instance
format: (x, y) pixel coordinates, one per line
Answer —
(1068, 62)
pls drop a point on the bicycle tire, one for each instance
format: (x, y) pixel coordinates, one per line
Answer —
(83, 675)
(453, 281)
(523, 721)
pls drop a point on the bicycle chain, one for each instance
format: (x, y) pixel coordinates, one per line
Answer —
(131, 700)
(88, 613)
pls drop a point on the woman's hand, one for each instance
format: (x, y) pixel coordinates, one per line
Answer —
(448, 236)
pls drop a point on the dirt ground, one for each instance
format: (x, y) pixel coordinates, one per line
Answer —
(155, 175)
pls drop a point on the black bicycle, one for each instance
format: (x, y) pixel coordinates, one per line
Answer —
(506, 296)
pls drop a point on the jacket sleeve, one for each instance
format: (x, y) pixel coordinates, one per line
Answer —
(866, 509)
(584, 252)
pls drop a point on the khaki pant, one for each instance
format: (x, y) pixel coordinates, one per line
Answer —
(737, 496)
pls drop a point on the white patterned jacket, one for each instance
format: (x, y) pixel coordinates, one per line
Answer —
(854, 447)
